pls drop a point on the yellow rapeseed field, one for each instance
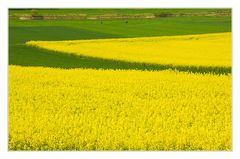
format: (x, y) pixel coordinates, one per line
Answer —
(104, 109)
(197, 50)
(89, 109)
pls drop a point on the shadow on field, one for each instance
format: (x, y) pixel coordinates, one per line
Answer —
(47, 58)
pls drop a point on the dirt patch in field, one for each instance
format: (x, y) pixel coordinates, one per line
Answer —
(114, 16)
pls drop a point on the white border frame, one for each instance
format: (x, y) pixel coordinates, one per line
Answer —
(5, 4)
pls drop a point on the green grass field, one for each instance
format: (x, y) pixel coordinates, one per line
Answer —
(22, 31)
